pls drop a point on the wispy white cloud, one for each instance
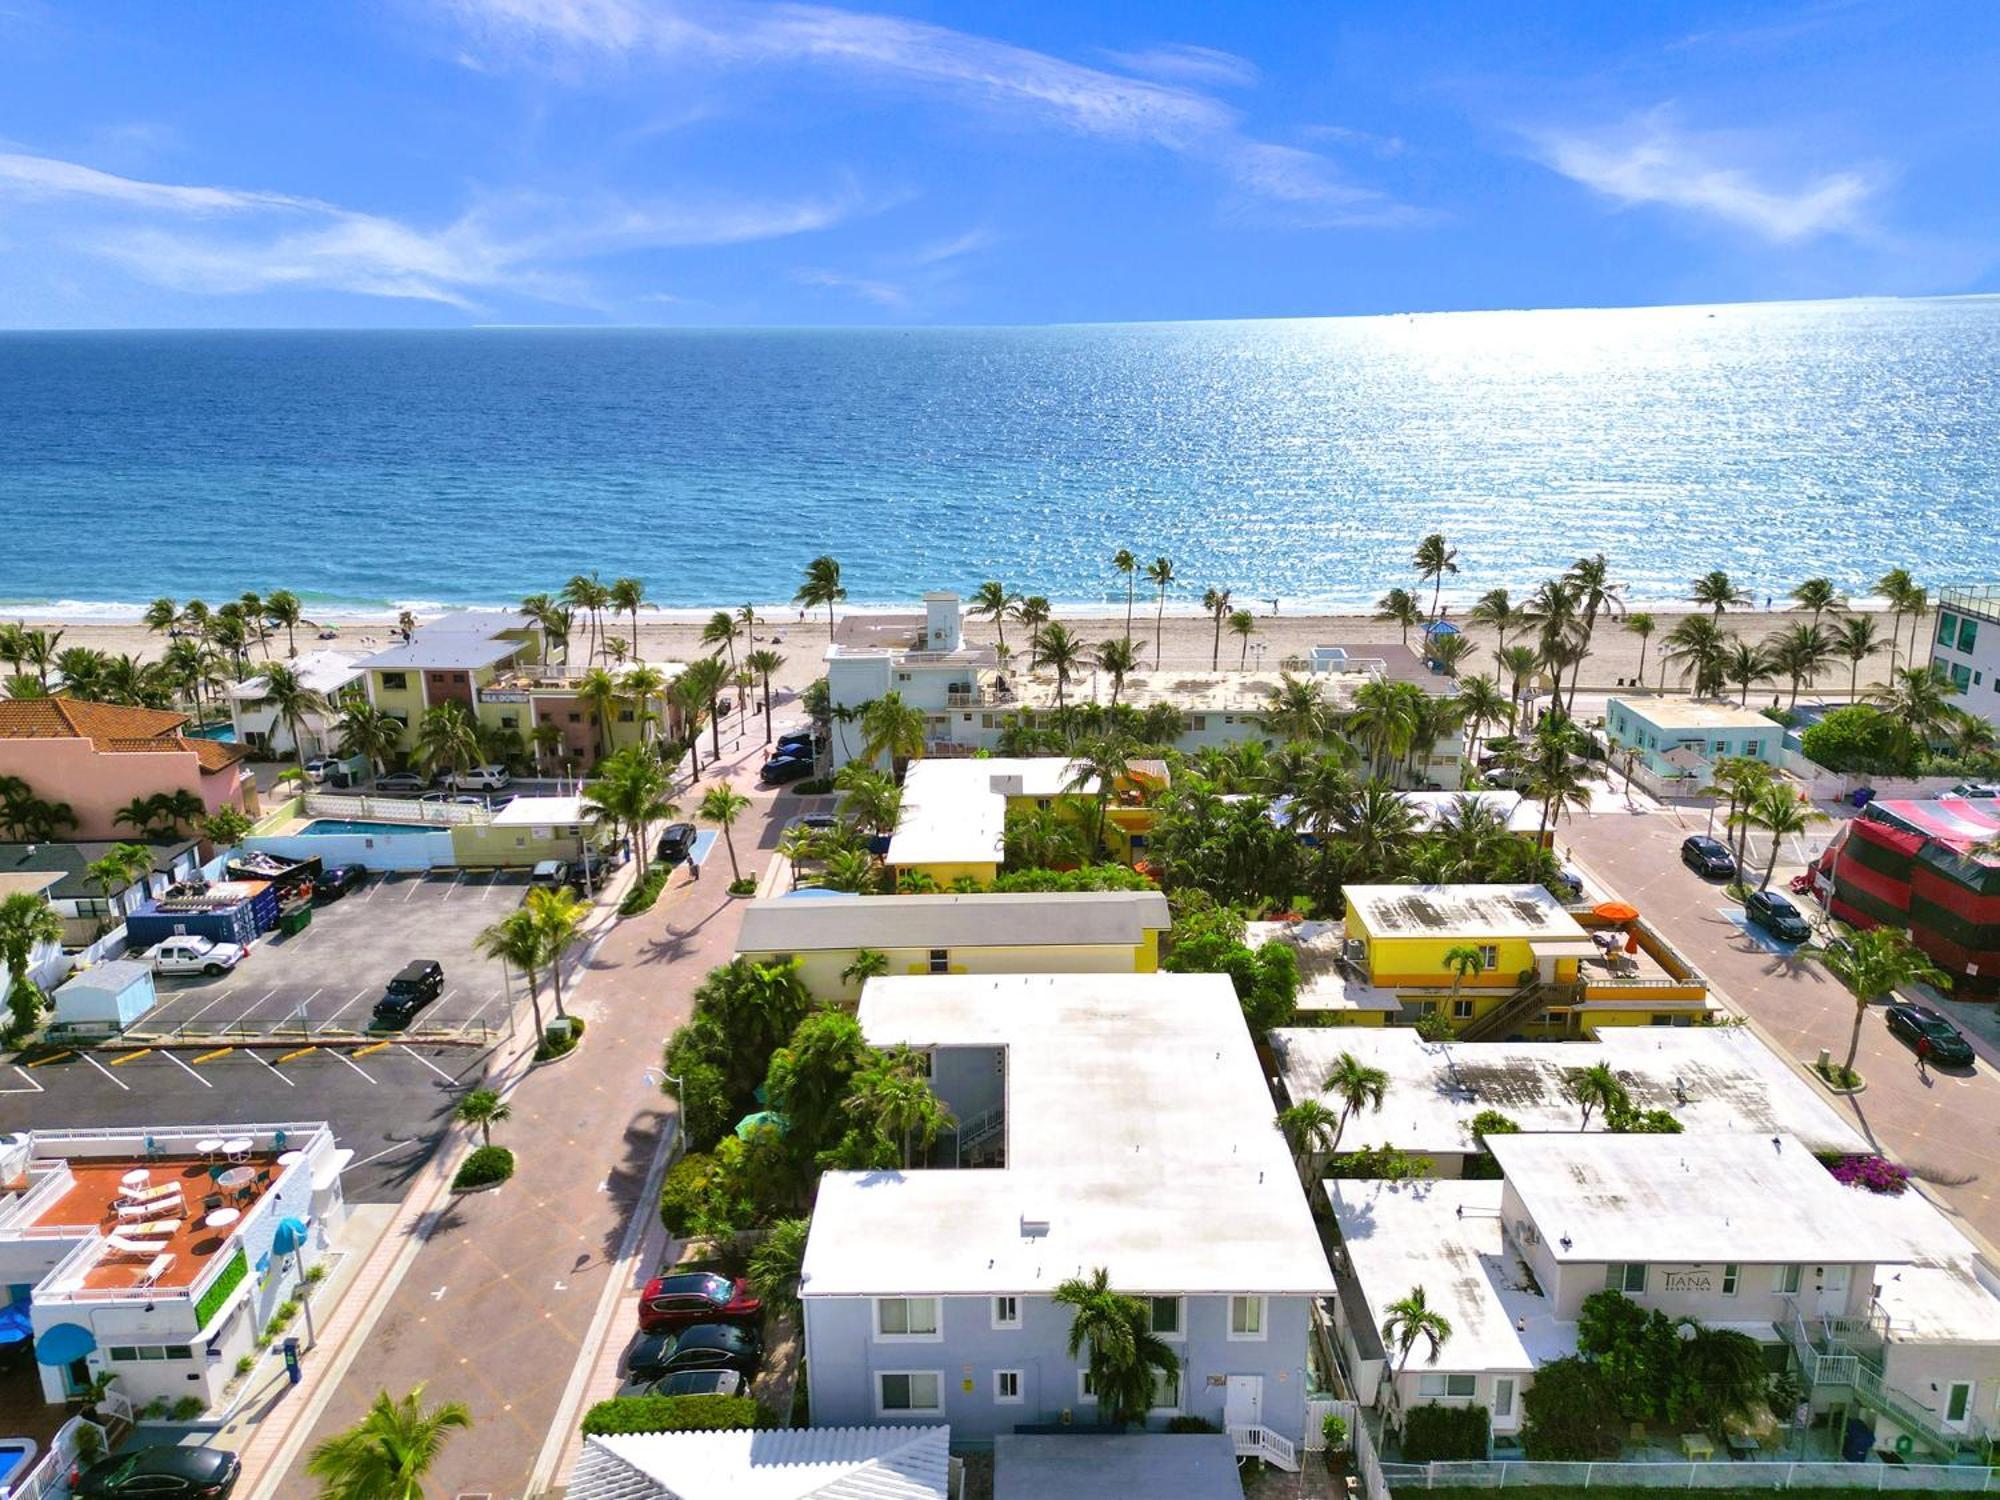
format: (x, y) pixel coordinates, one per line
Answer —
(251, 241)
(966, 70)
(1344, 135)
(1651, 159)
(1182, 63)
(882, 293)
(939, 251)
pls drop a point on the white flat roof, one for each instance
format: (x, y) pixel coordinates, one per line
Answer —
(1447, 1238)
(1520, 815)
(799, 1463)
(544, 812)
(1473, 911)
(955, 810)
(1945, 1294)
(986, 920)
(1689, 713)
(450, 651)
(1140, 1137)
(1716, 1080)
(1602, 1197)
(1323, 985)
(323, 672)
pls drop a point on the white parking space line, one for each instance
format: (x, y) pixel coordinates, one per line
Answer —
(232, 990)
(402, 1047)
(251, 1053)
(338, 1055)
(415, 886)
(456, 881)
(105, 1071)
(345, 1008)
(253, 1008)
(491, 886)
(375, 889)
(32, 1086)
(385, 1151)
(481, 1011)
(187, 1070)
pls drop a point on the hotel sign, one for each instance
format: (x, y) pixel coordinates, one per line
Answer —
(501, 695)
(1690, 1281)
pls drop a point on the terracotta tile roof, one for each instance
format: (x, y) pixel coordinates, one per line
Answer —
(112, 727)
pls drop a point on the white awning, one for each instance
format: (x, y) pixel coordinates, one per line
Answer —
(327, 1170)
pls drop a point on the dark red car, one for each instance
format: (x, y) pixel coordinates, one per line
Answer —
(693, 1297)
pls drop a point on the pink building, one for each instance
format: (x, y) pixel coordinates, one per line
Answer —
(99, 756)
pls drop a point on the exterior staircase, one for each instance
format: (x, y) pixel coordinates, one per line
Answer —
(1262, 1443)
(1831, 1363)
(1524, 1004)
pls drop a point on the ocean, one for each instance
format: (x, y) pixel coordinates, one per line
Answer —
(1293, 460)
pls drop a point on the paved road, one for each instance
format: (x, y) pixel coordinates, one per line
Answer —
(496, 1309)
(1946, 1128)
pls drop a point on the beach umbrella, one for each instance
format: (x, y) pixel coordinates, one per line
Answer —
(1616, 911)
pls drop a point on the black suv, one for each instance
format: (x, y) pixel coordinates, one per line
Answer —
(676, 844)
(420, 982)
(1707, 856)
(1776, 915)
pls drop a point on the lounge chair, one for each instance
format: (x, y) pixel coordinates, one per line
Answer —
(151, 1194)
(155, 1270)
(118, 1244)
(159, 1229)
(134, 1213)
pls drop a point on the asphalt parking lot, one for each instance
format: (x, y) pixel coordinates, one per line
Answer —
(256, 1045)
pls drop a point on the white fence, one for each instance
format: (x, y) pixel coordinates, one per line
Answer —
(393, 810)
(1318, 1409)
(1759, 1475)
(49, 1478)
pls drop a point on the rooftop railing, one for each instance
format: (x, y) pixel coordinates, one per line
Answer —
(1982, 600)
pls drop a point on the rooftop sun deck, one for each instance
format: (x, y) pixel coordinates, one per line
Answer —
(97, 1190)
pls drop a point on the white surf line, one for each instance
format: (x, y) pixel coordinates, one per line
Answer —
(105, 1071)
(251, 1053)
(405, 1047)
(169, 1056)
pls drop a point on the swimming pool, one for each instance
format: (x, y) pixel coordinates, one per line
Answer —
(330, 826)
(226, 733)
(17, 1457)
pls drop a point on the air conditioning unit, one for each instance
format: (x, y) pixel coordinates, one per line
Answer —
(1526, 1233)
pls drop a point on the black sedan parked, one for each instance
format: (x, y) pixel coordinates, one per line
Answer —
(676, 844)
(1776, 915)
(160, 1473)
(780, 769)
(337, 881)
(1706, 856)
(706, 1346)
(1913, 1023)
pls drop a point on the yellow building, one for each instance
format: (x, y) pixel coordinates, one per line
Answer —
(1082, 932)
(1542, 972)
(954, 818)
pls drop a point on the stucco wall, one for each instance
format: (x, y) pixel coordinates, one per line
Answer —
(820, 971)
(96, 785)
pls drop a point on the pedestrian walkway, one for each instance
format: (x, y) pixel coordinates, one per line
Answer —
(495, 1298)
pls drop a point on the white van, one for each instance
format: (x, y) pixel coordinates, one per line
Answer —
(481, 779)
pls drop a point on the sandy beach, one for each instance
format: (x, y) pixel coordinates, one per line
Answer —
(1186, 640)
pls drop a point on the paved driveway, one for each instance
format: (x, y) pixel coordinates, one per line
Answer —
(1946, 1128)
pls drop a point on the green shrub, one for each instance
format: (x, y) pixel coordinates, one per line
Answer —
(642, 896)
(1480, 1166)
(624, 1414)
(815, 786)
(1858, 738)
(483, 1168)
(1191, 1424)
(1385, 1162)
(1333, 1429)
(559, 1038)
(188, 1408)
(1266, 978)
(315, 1274)
(1105, 877)
(246, 1364)
(1444, 1433)
(155, 1409)
(746, 886)
(1569, 1414)
(701, 1200)
(1436, 1026)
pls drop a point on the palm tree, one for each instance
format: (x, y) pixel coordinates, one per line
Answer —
(1916, 602)
(483, 1108)
(776, 1262)
(1801, 652)
(1216, 602)
(1482, 703)
(869, 963)
(27, 923)
(1056, 647)
(1495, 611)
(870, 799)
(1900, 590)
(1642, 625)
(1701, 648)
(161, 616)
(632, 788)
(1355, 1084)
(1777, 810)
(722, 806)
(1554, 778)
(628, 596)
(1032, 613)
(1818, 595)
(1856, 640)
(292, 700)
(898, 1102)
(364, 729)
(1449, 650)
(1401, 606)
(117, 870)
(1124, 562)
(1715, 591)
(284, 611)
(821, 585)
(447, 737)
(699, 691)
(389, 1452)
(82, 671)
(1873, 964)
(516, 940)
(1594, 1088)
(558, 917)
(1117, 658)
(1160, 574)
(992, 600)
(643, 686)
(1383, 720)
(891, 727)
(1589, 583)
(720, 632)
(1124, 1354)
(766, 663)
(1464, 961)
(1917, 699)
(1519, 663)
(1434, 559)
(1309, 1128)
(1243, 625)
(586, 593)
(1745, 665)
(1740, 778)
(1410, 1318)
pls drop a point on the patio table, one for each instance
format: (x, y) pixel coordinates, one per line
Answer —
(138, 1177)
(235, 1177)
(1698, 1446)
(209, 1146)
(237, 1148)
(1742, 1445)
(222, 1218)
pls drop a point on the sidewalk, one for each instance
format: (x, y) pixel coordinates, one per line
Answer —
(494, 1298)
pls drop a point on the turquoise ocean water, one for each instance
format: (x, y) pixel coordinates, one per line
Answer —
(1295, 459)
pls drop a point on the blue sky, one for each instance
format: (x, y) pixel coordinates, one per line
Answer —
(457, 162)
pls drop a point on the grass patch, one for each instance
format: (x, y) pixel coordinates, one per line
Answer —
(642, 896)
(1837, 1075)
(486, 1166)
(747, 886)
(818, 786)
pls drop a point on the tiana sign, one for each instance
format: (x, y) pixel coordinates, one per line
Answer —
(1689, 1281)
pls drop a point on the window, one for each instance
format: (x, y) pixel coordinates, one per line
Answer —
(1503, 1396)
(130, 1354)
(576, 718)
(1085, 1390)
(1167, 1317)
(1489, 956)
(907, 1318)
(1166, 1390)
(1754, 749)
(1007, 1387)
(510, 721)
(940, 960)
(394, 682)
(1968, 634)
(1961, 677)
(909, 1391)
(1947, 627)
(1006, 1312)
(1246, 1318)
(624, 716)
(1731, 1274)
(1627, 1278)
(1461, 1010)
(458, 677)
(1787, 1279)
(1447, 1385)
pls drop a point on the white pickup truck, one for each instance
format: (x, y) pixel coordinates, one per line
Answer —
(195, 955)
